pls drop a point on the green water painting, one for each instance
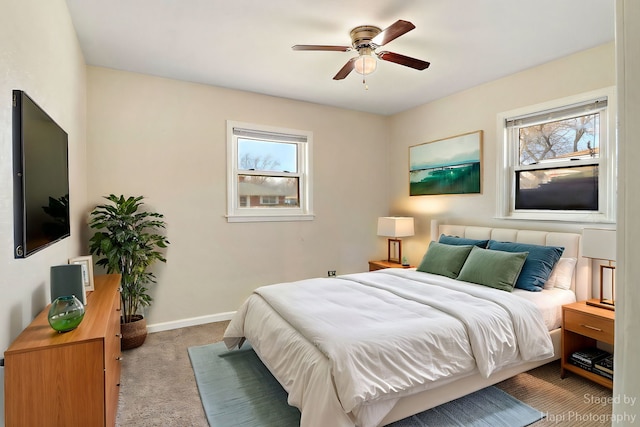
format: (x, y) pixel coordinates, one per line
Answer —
(446, 166)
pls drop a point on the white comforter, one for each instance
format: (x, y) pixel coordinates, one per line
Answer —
(394, 332)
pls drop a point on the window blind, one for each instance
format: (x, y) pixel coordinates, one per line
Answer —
(270, 136)
(574, 110)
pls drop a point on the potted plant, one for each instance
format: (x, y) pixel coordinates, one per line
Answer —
(128, 241)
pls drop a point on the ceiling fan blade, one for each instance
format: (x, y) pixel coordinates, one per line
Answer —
(418, 64)
(344, 71)
(392, 32)
(321, 47)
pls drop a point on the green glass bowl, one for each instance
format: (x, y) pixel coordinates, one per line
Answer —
(66, 313)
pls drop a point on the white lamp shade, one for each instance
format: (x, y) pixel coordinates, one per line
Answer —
(365, 64)
(599, 243)
(395, 226)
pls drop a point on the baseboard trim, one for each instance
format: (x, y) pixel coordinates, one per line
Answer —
(193, 321)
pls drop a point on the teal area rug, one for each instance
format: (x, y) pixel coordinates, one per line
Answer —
(236, 390)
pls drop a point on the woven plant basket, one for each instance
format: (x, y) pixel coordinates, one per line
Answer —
(133, 333)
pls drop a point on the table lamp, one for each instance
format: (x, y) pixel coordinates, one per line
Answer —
(601, 244)
(395, 227)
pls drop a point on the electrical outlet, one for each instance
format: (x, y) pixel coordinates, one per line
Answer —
(331, 273)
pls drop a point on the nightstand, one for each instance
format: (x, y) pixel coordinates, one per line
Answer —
(379, 265)
(584, 326)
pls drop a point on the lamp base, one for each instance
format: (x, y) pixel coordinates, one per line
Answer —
(608, 304)
(397, 250)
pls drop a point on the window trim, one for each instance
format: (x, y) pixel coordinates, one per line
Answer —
(507, 160)
(304, 140)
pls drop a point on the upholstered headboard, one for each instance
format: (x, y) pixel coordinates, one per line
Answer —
(581, 283)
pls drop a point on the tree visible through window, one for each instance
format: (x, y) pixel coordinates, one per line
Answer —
(569, 138)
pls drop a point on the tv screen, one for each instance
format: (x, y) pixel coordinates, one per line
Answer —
(40, 180)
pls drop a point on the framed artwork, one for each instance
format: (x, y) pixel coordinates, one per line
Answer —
(87, 270)
(446, 166)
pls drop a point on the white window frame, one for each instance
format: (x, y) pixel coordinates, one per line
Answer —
(507, 162)
(304, 141)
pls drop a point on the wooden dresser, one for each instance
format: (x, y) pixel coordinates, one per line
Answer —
(67, 379)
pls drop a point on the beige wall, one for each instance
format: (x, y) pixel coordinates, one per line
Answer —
(166, 140)
(476, 109)
(39, 54)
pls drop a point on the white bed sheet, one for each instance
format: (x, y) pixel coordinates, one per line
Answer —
(549, 302)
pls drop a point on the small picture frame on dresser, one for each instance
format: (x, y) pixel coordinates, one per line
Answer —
(87, 270)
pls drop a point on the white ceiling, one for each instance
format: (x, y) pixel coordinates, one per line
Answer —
(246, 44)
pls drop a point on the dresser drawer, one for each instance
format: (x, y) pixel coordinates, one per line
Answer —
(591, 326)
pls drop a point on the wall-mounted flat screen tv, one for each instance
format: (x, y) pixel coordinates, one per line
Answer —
(40, 180)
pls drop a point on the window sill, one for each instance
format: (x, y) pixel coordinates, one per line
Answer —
(559, 217)
(270, 218)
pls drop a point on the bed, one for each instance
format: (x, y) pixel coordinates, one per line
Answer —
(367, 349)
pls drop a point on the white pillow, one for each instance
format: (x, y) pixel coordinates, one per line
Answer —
(562, 274)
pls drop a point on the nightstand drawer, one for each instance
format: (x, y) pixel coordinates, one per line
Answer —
(595, 327)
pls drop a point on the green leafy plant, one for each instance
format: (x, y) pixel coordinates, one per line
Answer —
(127, 241)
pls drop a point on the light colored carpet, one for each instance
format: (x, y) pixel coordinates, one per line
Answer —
(238, 390)
(158, 386)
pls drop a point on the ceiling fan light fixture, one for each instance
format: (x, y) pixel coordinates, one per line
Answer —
(365, 39)
(366, 62)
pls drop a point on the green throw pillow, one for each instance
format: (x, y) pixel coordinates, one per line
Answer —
(444, 260)
(496, 269)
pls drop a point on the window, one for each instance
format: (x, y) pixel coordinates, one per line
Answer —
(558, 160)
(269, 200)
(269, 173)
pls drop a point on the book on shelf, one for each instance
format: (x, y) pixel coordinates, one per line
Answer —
(590, 368)
(595, 370)
(605, 365)
(589, 356)
(580, 364)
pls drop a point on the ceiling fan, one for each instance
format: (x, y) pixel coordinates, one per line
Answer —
(366, 39)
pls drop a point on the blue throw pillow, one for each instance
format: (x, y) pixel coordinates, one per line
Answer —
(455, 240)
(538, 265)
